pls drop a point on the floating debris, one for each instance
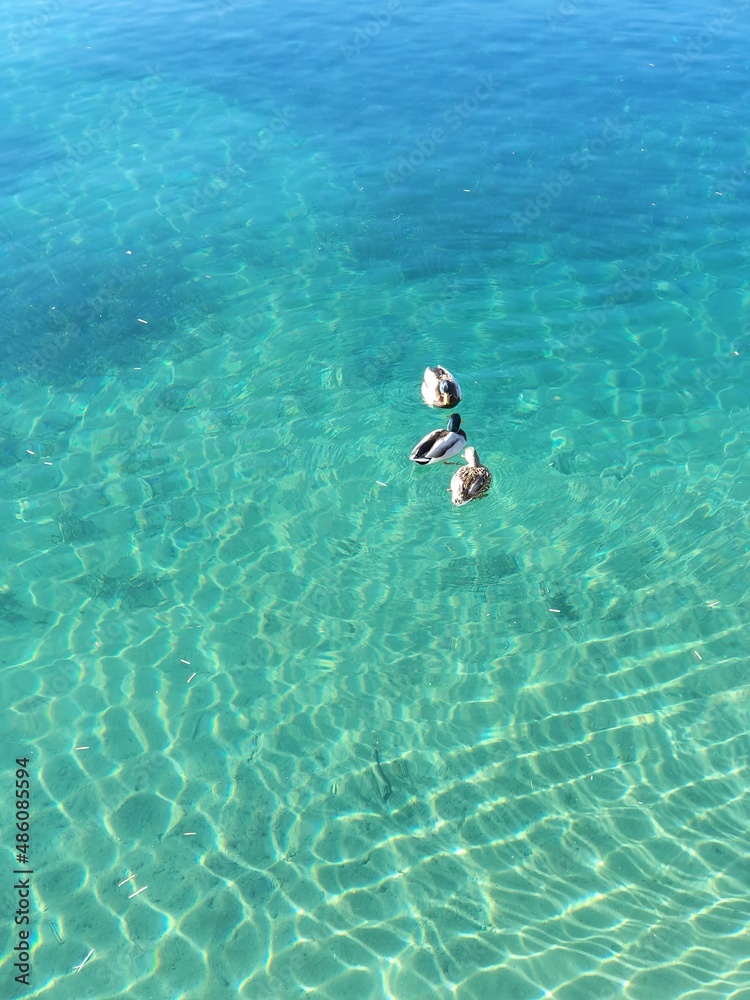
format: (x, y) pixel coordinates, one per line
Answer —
(77, 968)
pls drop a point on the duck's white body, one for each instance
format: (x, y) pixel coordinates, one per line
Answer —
(471, 481)
(441, 444)
(439, 388)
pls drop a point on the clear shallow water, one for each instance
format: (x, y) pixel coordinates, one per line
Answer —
(553, 202)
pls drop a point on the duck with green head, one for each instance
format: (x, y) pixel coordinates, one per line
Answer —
(439, 445)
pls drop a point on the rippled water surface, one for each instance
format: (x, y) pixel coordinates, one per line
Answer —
(297, 726)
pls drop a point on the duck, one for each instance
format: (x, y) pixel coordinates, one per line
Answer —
(470, 481)
(441, 444)
(439, 388)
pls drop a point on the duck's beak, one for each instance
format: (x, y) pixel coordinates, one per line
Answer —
(446, 399)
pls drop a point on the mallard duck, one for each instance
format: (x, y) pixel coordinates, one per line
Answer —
(470, 481)
(439, 388)
(439, 445)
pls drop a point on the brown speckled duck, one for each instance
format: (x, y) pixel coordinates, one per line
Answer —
(471, 481)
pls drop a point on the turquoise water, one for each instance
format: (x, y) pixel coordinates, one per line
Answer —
(233, 235)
